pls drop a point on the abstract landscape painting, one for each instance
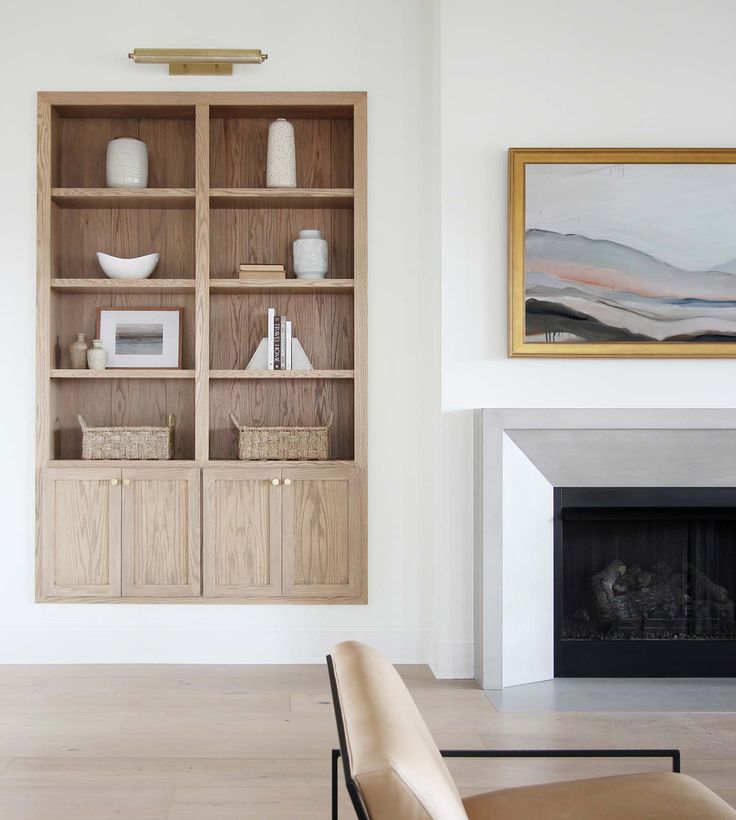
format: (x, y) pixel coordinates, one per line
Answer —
(625, 257)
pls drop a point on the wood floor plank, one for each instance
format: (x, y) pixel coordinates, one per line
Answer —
(221, 742)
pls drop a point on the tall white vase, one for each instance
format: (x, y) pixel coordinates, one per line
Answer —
(281, 156)
(127, 163)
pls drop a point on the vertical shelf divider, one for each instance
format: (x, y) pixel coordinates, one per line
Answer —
(202, 286)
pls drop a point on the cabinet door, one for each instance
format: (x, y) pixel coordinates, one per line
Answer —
(321, 527)
(242, 532)
(81, 532)
(161, 532)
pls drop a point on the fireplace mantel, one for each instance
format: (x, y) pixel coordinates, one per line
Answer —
(522, 456)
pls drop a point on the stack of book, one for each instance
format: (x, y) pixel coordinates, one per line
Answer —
(280, 350)
(262, 273)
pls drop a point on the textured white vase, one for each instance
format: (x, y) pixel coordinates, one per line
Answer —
(127, 163)
(96, 356)
(281, 156)
(310, 255)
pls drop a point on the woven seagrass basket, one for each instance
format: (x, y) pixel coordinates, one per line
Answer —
(283, 443)
(133, 443)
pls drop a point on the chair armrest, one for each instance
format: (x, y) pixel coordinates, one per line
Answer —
(674, 754)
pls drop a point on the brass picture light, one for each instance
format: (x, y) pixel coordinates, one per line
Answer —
(198, 60)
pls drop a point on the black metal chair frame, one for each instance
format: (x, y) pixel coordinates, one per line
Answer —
(357, 800)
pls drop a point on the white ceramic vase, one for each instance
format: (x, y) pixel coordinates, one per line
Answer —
(96, 356)
(78, 352)
(310, 255)
(281, 156)
(127, 163)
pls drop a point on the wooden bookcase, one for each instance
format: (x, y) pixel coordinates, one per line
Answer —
(204, 526)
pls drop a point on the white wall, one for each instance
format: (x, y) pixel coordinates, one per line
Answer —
(565, 73)
(380, 47)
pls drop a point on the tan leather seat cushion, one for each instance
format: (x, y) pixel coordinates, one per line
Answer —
(656, 796)
(392, 756)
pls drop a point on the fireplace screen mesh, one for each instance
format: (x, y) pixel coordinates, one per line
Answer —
(657, 574)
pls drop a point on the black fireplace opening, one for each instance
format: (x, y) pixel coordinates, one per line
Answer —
(645, 582)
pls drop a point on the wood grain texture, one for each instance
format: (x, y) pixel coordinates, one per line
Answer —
(160, 532)
(147, 286)
(81, 532)
(122, 374)
(126, 232)
(242, 532)
(83, 146)
(123, 197)
(77, 313)
(323, 323)
(320, 532)
(202, 299)
(122, 402)
(281, 374)
(242, 286)
(273, 402)
(265, 236)
(281, 197)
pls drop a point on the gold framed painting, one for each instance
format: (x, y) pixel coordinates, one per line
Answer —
(622, 252)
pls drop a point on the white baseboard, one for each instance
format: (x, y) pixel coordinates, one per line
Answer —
(453, 660)
(199, 645)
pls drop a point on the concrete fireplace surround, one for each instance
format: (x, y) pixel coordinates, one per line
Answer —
(521, 456)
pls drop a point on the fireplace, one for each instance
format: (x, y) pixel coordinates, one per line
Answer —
(645, 582)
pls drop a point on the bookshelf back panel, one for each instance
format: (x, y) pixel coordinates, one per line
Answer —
(82, 147)
(271, 403)
(74, 313)
(265, 236)
(125, 232)
(238, 145)
(322, 322)
(121, 402)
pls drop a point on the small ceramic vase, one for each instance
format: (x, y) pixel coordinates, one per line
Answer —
(310, 255)
(281, 157)
(96, 356)
(78, 352)
(127, 163)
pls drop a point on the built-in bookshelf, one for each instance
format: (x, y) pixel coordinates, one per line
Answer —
(207, 211)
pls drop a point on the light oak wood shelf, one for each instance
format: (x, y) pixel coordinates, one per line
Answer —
(123, 197)
(283, 286)
(204, 526)
(122, 374)
(282, 197)
(124, 286)
(282, 374)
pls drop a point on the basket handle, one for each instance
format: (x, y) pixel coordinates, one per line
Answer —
(235, 422)
(329, 421)
(82, 423)
(171, 421)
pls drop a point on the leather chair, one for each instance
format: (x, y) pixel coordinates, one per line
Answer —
(394, 770)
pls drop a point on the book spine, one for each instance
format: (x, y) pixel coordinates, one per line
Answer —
(282, 349)
(271, 320)
(288, 345)
(277, 343)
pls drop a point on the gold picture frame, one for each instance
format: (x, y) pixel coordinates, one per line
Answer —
(555, 324)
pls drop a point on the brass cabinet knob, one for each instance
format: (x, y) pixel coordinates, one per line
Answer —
(287, 481)
(126, 482)
(114, 482)
(275, 482)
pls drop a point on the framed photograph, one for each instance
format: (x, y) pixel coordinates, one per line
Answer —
(141, 337)
(622, 252)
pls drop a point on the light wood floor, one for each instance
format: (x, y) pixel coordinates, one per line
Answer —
(234, 742)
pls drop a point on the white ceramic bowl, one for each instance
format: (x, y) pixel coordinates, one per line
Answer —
(141, 267)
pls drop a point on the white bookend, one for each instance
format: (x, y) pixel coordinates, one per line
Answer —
(288, 345)
(299, 360)
(271, 318)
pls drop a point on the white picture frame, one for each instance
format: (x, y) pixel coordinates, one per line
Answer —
(141, 338)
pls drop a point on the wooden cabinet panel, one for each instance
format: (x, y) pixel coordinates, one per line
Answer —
(321, 523)
(242, 532)
(160, 532)
(81, 532)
